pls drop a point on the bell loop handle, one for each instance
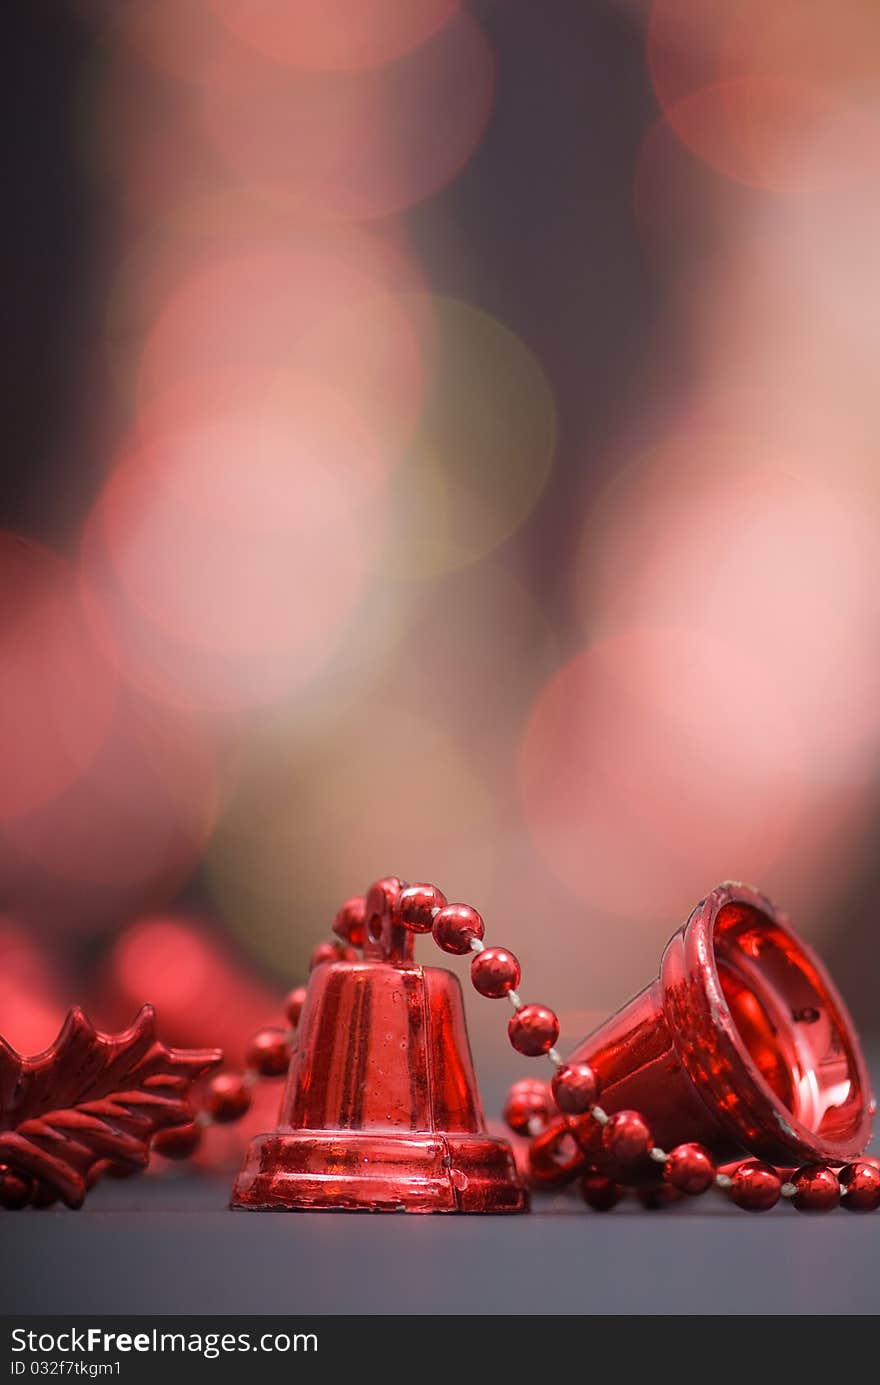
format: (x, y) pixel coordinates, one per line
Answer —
(386, 940)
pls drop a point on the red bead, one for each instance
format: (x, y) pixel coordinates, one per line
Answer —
(627, 1138)
(454, 927)
(268, 1053)
(495, 972)
(414, 907)
(15, 1192)
(689, 1169)
(349, 922)
(331, 952)
(860, 1186)
(656, 1196)
(179, 1142)
(228, 1097)
(293, 1005)
(324, 952)
(599, 1192)
(575, 1089)
(755, 1186)
(817, 1188)
(533, 1030)
(528, 1100)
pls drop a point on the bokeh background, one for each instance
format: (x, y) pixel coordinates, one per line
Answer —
(441, 440)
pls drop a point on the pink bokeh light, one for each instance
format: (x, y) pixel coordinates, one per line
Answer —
(655, 759)
(331, 312)
(204, 611)
(728, 534)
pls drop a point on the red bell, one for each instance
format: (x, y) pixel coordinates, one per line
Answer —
(381, 1111)
(742, 1044)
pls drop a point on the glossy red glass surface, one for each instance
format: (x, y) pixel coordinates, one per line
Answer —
(742, 1044)
(860, 1186)
(818, 1189)
(381, 1111)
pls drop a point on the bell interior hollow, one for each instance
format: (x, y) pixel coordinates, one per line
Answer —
(743, 1044)
(790, 1023)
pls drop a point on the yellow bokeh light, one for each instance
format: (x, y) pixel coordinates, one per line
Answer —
(312, 821)
(484, 448)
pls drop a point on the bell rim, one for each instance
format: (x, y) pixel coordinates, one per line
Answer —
(705, 1014)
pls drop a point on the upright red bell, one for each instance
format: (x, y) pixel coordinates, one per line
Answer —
(381, 1111)
(743, 1044)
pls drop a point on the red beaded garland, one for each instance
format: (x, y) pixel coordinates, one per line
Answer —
(817, 1188)
(575, 1088)
(599, 1192)
(533, 1030)
(626, 1137)
(690, 1169)
(228, 1097)
(528, 1100)
(860, 1186)
(349, 923)
(495, 972)
(293, 1005)
(755, 1186)
(179, 1142)
(268, 1053)
(656, 1196)
(415, 906)
(455, 926)
(331, 952)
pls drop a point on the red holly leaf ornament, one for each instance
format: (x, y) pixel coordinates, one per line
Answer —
(91, 1098)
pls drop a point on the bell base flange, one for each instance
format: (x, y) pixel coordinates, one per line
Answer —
(344, 1171)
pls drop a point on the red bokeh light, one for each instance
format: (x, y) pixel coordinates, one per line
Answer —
(185, 40)
(767, 95)
(342, 35)
(35, 993)
(685, 42)
(204, 992)
(834, 47)
(357, 145)
(132, 828)
(57, 692)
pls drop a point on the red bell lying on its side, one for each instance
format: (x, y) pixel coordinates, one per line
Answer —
(743, 1044)
(381, 1111)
